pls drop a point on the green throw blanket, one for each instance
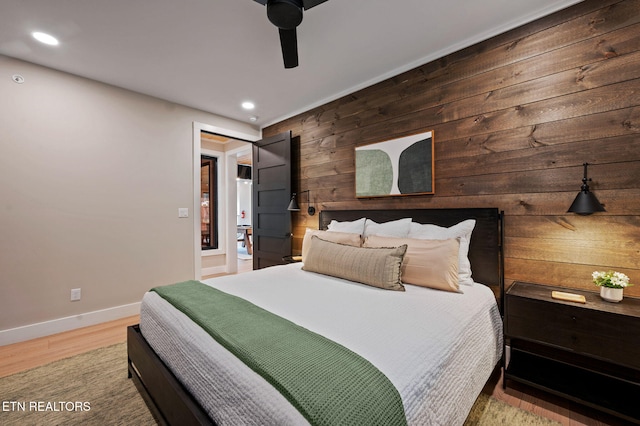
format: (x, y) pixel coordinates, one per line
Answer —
(326, 382)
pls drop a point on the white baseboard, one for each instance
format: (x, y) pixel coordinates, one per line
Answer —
(47, 328)
(222, 269)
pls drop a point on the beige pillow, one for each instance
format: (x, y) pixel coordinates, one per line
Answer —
(335, 237)
(378, 267)
(427, 263)
(462, 230)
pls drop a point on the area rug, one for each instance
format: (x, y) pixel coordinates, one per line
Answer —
(488, 411)
(93, 389)
(87, 389)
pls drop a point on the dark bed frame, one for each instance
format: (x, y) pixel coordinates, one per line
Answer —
(172, 404)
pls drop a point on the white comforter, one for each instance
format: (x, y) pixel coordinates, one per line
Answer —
(437, 348)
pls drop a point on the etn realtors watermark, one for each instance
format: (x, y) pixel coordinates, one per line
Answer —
(67, 406)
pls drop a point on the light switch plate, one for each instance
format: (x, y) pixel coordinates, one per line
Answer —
(76, 294)
(183, 212)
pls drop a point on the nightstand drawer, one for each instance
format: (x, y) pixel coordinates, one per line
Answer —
(594, 333)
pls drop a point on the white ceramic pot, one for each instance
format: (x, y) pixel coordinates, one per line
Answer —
(611, 294)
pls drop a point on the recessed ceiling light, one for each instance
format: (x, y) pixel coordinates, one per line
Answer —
(248, 105)
(45, 38)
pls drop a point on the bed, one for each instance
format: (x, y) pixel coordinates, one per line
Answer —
(438, 359)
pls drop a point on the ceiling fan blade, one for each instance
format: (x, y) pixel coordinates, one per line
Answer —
(308, 4)
(289, 44)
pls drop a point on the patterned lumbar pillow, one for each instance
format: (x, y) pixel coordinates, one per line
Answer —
(378, 267)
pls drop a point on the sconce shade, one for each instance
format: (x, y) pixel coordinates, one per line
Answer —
(586, 201)
(294, 207)
(293, 204)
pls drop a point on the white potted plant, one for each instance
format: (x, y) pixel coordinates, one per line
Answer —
(611, 284)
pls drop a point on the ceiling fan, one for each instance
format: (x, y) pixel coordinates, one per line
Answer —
(287, 15)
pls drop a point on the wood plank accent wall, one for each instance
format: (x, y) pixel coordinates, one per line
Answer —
(514, 119)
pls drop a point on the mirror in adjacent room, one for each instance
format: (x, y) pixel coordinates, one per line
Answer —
(208, 202)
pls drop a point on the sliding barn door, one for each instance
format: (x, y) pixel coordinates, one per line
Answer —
(271, 196)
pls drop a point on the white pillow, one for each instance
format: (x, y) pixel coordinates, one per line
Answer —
(395, 228)
(354, 227)
(461, 230)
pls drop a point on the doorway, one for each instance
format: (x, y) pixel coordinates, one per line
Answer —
(244, 191)
(227, 147)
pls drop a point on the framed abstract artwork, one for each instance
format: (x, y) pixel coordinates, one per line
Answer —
(402, 166)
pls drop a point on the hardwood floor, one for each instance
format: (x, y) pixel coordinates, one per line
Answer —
(245, 265)
(25, 355)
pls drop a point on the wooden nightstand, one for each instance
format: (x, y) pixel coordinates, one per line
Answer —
(589, 353)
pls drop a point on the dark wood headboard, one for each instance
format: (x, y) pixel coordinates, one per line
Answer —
(485, 249)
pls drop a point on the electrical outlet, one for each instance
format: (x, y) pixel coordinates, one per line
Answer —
(75, 294)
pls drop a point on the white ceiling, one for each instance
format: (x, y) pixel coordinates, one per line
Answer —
(214, 54)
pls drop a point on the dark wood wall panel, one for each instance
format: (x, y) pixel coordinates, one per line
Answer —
(514, 118)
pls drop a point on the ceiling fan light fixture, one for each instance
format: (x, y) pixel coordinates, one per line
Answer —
(285, 14)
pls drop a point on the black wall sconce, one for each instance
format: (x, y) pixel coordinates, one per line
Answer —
(585, 202)
(294, 207)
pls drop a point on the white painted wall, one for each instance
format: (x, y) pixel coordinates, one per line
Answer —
(244, 201)
(91, 179)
